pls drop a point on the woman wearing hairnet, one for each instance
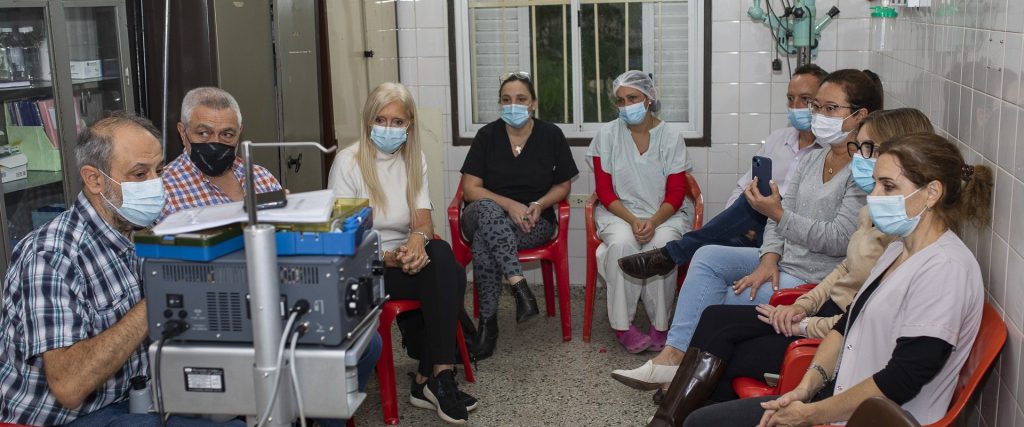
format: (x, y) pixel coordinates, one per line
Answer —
(640, 177)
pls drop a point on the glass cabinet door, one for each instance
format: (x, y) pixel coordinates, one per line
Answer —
(97, 74)
(30, 135)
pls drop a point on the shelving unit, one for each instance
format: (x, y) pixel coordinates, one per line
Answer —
(65, 31)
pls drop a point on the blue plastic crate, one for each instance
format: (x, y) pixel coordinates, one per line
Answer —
(190, 253)
(343, 242)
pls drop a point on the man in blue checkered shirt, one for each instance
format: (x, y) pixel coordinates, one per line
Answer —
(73, 324)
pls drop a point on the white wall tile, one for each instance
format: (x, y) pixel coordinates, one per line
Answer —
(725, 97)
(728, 10)
(725, 67)
(755, 67)
(406, 14)
(432, 42)
(722, 159)
(433, 71)
(754, 128)
(852, 34)
(408, 71)
(725, 128)
(755, 98)
(1014, 305)
(755, 37)
(1007, 135)
(997, 270)
(432, 14)
(699, 156)
(407, 43)
(1012, 67)
(1016, 240)
(725, 36)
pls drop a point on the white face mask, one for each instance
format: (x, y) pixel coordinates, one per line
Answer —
(829, 130)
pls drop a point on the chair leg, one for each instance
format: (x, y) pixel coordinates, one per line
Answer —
(467, 365)
(549, 287)
(588, 299)
(562, 277)
(386, 371)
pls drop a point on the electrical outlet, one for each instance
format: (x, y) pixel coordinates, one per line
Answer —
(578, 200)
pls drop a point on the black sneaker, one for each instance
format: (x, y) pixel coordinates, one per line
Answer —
(417, 399)
(442, 392)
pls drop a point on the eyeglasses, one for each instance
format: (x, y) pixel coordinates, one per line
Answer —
(515, 75)
(866, 148)
(828, 109)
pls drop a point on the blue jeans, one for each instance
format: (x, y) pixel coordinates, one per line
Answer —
(709, 282)
(117, 414)
(728, 228)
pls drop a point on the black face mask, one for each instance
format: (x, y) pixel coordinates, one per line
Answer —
(212, 158)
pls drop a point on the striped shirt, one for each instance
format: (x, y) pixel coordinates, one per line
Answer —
(189, 188)
(68, 281)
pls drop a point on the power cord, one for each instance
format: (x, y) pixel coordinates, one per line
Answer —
(300, 308)
(299, 332)
(172, 329)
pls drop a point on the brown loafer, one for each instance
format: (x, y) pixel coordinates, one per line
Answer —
(645, 265)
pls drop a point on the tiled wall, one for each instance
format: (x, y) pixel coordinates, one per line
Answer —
(748, 98)
(960, 62)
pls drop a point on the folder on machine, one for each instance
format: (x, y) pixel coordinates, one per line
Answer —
(309, 207)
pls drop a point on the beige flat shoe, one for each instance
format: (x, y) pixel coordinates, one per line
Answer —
(647, 377)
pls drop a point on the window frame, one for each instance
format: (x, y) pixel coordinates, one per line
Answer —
(696, 133)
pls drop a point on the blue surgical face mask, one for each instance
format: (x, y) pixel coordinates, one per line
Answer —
(800, 118)
(861, 170)
(889, 213)
(633, 114)
(388, 139)
(516, 115)
(141, 202)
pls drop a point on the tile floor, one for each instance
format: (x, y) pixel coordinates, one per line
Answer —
(534, 379)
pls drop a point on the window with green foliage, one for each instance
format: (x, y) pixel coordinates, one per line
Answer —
(573, 50)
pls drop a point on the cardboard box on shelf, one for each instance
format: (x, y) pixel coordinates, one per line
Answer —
(13, 167)
(86, 69)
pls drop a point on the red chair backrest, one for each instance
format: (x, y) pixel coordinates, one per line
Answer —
(987, 345)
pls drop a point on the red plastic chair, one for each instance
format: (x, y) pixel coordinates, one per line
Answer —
(12, 425)
(386, 364)
(555, 254)
(593, 241)
(798, 355)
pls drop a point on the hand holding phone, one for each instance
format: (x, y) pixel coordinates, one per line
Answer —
(761, 168)
(271, 200)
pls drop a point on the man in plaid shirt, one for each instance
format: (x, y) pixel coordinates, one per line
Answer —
(73, 324)
(209, 171)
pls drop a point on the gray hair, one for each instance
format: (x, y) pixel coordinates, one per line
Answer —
(95, 143)
(209, 97)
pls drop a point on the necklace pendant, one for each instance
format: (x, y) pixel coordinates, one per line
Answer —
(519, 149)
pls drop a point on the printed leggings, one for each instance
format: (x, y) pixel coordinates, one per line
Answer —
(495, 241)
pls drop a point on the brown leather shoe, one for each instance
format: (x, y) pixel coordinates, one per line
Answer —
(695, 380)
(645, 265)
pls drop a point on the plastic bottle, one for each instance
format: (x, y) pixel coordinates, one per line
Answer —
(883, 22)
(6, 68)
(30, 51)
(140, 401)
(16, 54)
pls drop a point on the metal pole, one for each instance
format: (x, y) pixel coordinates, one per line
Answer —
(167, 55)
(264, 288)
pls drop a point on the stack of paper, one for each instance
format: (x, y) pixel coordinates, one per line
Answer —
(309, 207)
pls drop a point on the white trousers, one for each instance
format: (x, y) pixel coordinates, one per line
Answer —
(624, 291)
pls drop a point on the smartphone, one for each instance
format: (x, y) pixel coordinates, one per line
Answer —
(271, 200)
(761, 167)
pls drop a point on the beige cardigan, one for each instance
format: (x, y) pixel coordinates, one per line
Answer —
(866, 245)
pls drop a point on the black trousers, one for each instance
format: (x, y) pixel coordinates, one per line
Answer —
(439, 288)
(748, 346)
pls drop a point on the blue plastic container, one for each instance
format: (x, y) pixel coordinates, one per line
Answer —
(343, 242)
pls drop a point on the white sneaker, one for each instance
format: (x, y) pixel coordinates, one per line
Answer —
(647, 377)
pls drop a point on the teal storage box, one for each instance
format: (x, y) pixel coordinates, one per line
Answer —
(204, 245)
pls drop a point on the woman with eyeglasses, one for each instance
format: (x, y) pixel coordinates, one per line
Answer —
(805, 237)
(517, 169)
(751, 340)
(910, 329)
(388, 167)
(640, 177)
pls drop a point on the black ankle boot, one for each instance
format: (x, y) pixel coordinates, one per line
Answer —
(469, 331)
(487, 338)
(526, 304)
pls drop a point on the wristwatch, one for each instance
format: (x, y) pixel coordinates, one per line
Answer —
(803, 326)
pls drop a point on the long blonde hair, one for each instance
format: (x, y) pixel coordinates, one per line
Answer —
(366, 157)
